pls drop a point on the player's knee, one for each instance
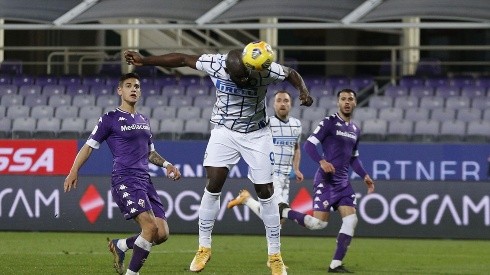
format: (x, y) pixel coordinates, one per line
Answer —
(349, 224)
(264, 191)
(161, 238)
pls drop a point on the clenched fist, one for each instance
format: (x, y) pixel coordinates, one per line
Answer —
(133, 58)
(306, 100)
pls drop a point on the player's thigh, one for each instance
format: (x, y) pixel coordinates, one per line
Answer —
(346, 210)
(256, 149)
(221, 150)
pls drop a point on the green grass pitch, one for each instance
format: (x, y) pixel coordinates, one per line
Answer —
(86, 253)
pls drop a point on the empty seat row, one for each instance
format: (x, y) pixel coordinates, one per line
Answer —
(456, 81)
(441, 91)
(415, 114)
(430, 102)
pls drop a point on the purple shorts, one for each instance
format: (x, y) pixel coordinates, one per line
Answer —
(329, 196)
(135, 195)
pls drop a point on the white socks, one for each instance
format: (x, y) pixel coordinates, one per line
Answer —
(270, 216)
(208, 211)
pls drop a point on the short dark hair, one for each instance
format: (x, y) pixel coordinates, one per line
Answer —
(283, 92)
(346, 91)
(127, 76)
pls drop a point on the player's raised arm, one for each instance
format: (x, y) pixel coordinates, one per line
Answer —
(72, 178)
(293, 77)
(171, 60)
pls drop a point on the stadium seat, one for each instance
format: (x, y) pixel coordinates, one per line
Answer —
(457, 102)
(204, 100)
(77, 89)
(146, 71)
(69, 80)
(174, 90)
(339, 82)
(89, 127)
(12, 99)
(164, 112)
(327, 102)
(462, 81)
(5, 127)
(198, 90)
(151, 90)
(47, 128)
(83, 100)
(443, 114)
(469, 114)
(22, 80)
(66, 111)
(399, 130)
(363, 113)
(180, 100)
(11, 66)
(411, 81)
(16, 111)
(156, 101)
(6, 89)
(380, 102)
(431, 102)
(102, 89)
(435, 82)
(196, 129)
(421, 91)
(53, 89)
(321, 90)
(3, 110)
(107, 100)
(188, 112)
(473, 91)
(71, 128)
(186, 80)
(35, 100)
(374, 130)
(362, 81)
(46, 79)
(91, 80)
(390, 114)
(314, 113)
(311, 80)
(426, 131)
(482, 103)
(294, 112)
(145, 110)
(90, 111)
(447, 91)
(59, 100)
(5, 79)
(206, 112)
(42, 111)
(406, 102)
(416, 114)
(170, 128)
(478, 132)
(30, 89)
(23, 127)
(165, 80)
(452, 131)
(428, 67)
(396, 91)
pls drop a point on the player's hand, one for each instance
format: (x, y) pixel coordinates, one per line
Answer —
(70, 182)
(370, 184)
(327, 167)
(306, 100)
(173, 172)
(133, 58)
(299, 176)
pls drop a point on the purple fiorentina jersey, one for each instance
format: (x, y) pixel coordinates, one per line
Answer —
(339, 141)
(129, 139)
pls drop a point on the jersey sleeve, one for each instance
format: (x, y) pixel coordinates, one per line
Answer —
(100, 132)
(207, 63)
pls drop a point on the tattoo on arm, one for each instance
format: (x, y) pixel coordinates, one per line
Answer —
(156, 159)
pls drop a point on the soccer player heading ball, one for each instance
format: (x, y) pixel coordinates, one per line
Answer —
(258, 55)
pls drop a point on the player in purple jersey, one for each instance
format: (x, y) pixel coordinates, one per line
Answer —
(338, 137)
(241, 130)
(128, 136)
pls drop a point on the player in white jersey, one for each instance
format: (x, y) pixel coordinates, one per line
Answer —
(241, 130)
(286, 134)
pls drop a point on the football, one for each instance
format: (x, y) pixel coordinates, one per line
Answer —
(258, 55)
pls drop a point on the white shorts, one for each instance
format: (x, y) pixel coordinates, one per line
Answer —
(226, 147)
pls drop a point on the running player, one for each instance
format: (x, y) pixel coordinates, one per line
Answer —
(338, 137)
(241, 130)
(128, 135)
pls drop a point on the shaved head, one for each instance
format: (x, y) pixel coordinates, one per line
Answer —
(239, 73)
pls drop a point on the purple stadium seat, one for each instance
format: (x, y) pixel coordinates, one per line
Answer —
(396, 91)
(173, 90)
(472, 91)
(5, 79)
(49, 90)
(165, 80)
(436, 82)
(11, 67)
(421, 91)
(411, 81)
(6, 89)
(362, 81)
(311, 80)
(399, 130)
(150, 89)
(35, 100)
(69, 80)
(77, 89)
(102, 89)
(321, 90)
(30, 89)
(91, 80)
(443, 114)
(198, 89)
(46, 80)
(462, 81)
(187, 80)
(22, 79)
(336, 81)
(452, 131)
(426, 130)
(446, 91)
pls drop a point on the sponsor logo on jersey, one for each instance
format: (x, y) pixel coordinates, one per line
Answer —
(284, 140)
(346, 134)
(229, 87)
(135, 127)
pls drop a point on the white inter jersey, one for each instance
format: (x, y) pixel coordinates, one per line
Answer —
(285, 135)
(239, 109)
